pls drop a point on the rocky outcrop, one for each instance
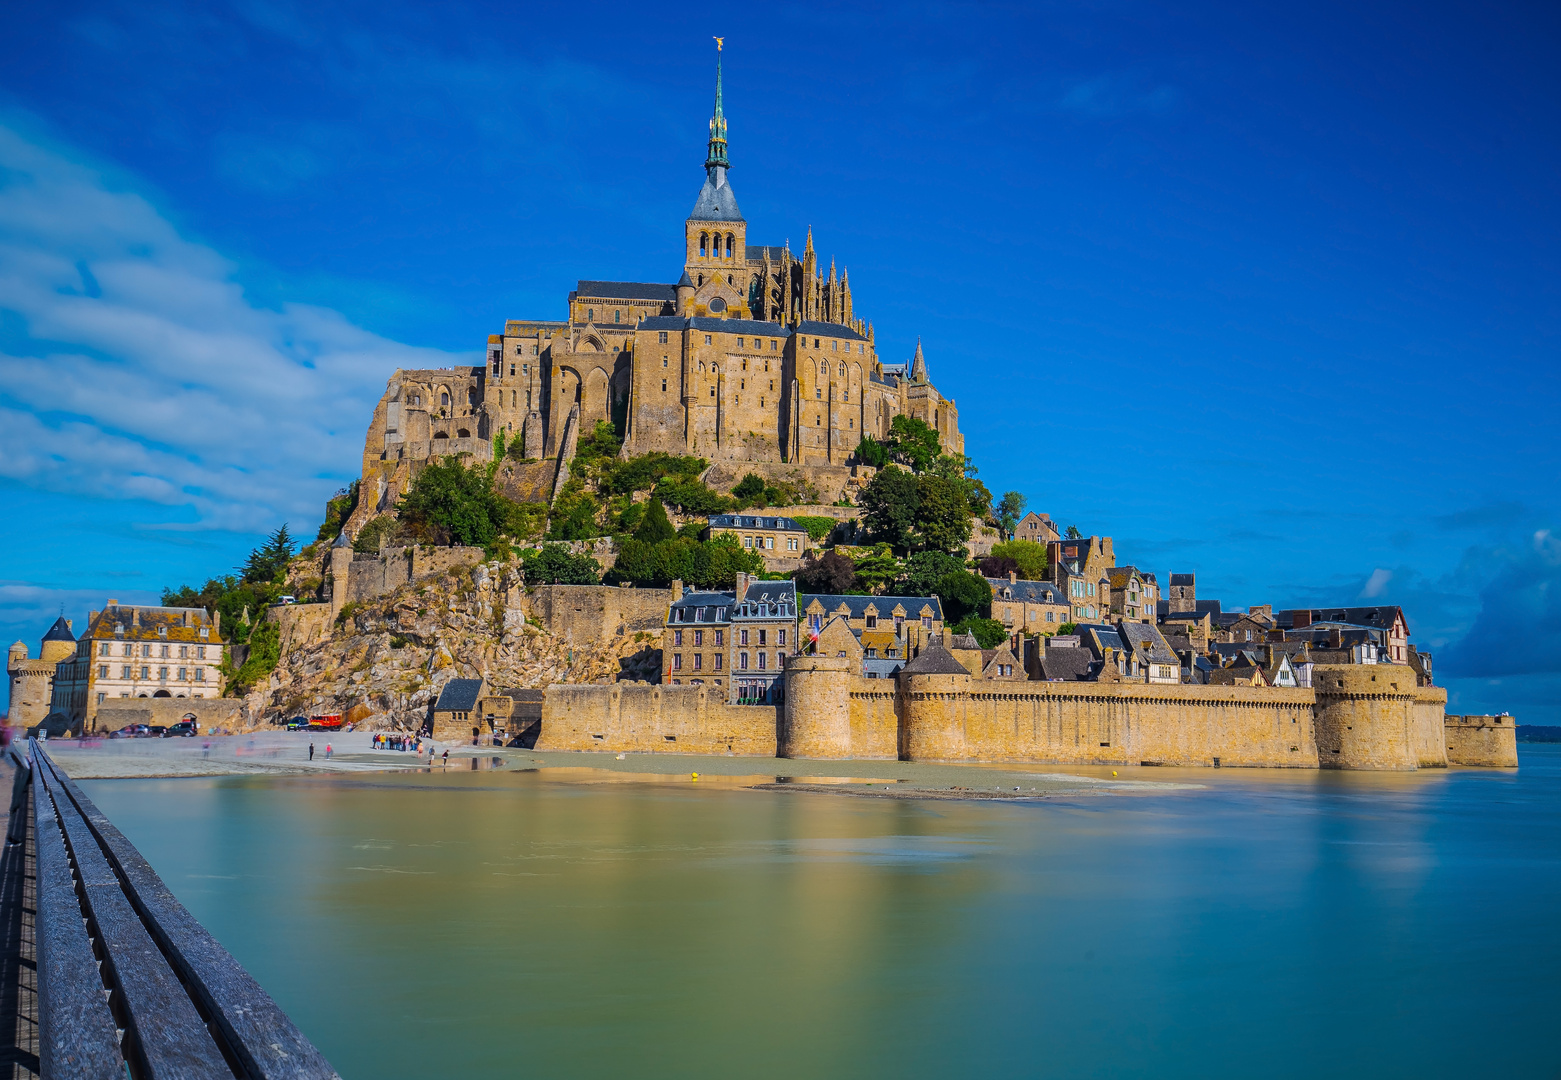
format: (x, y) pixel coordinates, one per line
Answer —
(392, 655)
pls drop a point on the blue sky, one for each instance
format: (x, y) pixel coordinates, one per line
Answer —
(1265, 293)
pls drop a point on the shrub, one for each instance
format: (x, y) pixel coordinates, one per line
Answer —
(989, 633)
(655, 527)
(831, 573)
(555, 564)
(1028, 557)
(963, 594)
(368, 538)
(818, 527)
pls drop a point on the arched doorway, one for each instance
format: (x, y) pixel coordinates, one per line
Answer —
(162, 693)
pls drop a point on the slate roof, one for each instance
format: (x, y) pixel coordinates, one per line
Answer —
(1382, 616)
(721, 326)
(935, 660)
(1030, 592)
(717, 605)
(152, 619)
(459, 695)
(825, 329)
(1184, 579)
(964, 641)
(1070, 665)
(857, 605)
(60, 631)
(1146, 640)
(716, 201)
(626, 290)
(1099, 637)
(752, 521)
(756, 252)
(781, 596)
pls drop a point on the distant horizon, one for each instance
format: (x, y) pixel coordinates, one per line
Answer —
(1264, 296)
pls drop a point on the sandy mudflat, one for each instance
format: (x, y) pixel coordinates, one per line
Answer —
(287, 753)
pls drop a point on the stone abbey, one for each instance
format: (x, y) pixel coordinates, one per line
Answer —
(755, 354)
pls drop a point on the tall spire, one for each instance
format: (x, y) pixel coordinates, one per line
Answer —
(717, 158)
(918, 365)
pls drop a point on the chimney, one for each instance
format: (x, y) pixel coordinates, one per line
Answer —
(1302, 618)
(70, 624)
(113, 603)
(742, 585)
(1013, 577)
(92, 617)
(677, 590)
(135, 616)
(1335, 638)
(216, 623)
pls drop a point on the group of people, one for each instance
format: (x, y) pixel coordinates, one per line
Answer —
(399, 742)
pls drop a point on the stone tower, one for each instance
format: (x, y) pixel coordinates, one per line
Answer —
(1184, 592)
(32, 681)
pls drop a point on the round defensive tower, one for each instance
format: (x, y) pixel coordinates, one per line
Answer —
(1365, 716)
(816, 720)
(933, 692)
(59, 643)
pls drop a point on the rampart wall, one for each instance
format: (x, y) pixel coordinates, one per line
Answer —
(641, 718)
(953, 718)
(1489, 741)
(116, 713)
(582, 613)
(1428, 727)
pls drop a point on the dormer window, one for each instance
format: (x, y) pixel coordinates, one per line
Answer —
(205, 633)
(162, 632)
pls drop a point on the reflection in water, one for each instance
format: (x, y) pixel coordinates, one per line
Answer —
(580, 924)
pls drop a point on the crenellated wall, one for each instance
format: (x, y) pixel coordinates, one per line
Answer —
(956, 718)
(1489, 741)
(643, 718)
(1366, 716)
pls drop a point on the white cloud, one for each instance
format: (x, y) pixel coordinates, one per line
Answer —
(143, 371)
(1376, 584)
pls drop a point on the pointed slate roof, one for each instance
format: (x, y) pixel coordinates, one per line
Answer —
(935, 660)
(60, 631)
(918, 365)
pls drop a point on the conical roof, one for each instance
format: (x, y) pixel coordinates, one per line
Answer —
(918, 365)
(60, 631)
(935, 660)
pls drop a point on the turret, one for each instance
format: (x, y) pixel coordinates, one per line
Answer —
(934, 689)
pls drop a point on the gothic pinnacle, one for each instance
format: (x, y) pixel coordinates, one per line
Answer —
(717, 158)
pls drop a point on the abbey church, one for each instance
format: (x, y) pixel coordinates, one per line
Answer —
(755, 354)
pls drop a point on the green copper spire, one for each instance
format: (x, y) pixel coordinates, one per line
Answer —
(717, 158)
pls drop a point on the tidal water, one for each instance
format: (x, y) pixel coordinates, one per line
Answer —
(571, 924)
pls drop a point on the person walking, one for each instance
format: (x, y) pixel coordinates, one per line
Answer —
(311, 750)
(446, 761)
(327, 751)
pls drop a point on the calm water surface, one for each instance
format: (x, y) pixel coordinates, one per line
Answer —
(522, 924)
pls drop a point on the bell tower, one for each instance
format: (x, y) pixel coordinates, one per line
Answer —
(715, 234)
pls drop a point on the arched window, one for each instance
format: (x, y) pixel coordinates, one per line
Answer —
(444, 400)
(842, 371)
(462, 433)
(590, 314)
(617, 316)
(728, 245)
(704, 244)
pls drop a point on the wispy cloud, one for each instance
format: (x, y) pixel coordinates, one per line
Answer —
(1376, 584)
(132, 365)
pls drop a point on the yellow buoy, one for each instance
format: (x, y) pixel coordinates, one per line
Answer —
(1113, 772)
(696, 776)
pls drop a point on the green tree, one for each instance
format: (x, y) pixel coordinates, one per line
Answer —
(942, 514)
(368, 538)
(1074, 534)
(574, 513)
(963, 594)
(924, 570)
(872, 452)
(1028, 556)
(555, 564)
(269, 561)
(877, 568)
(958, 469)
(655, 527)
(454, 503)
(914, 442)
(890, 504)
(989, 633)
(692, 497)
(1009, 511)
(750, 491)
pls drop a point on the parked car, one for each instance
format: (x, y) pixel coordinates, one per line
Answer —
(154, 731)
(129, 731)
(298, 723)
(183, 729)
